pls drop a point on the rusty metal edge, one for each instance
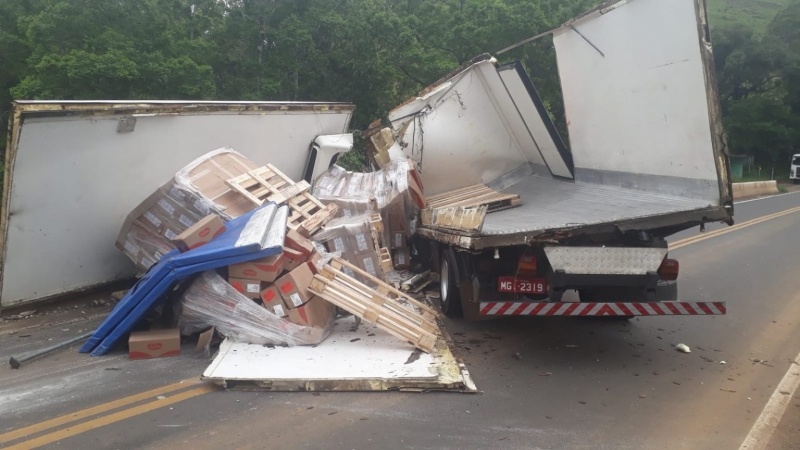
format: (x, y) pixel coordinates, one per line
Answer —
(719, 141)
(14, 127)
(56, 108)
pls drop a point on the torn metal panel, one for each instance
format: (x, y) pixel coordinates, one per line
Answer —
(470, 117)
(364, 359)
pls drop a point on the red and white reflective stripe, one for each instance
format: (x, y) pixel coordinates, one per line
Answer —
(602, 309)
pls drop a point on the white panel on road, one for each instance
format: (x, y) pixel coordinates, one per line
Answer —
(74, 178)
(640, 107)
(363, 359)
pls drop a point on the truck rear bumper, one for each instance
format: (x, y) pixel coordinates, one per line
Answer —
(602, 309)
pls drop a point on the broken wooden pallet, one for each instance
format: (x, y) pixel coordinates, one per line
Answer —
(395, 315)
(267, 183)
(471, 196)
(338, 264)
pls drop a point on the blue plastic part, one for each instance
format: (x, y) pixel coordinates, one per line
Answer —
(228, 243)
(224, 250)
(131, 299)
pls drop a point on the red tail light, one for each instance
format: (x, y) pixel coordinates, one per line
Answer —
(528, 265)
(669, 270)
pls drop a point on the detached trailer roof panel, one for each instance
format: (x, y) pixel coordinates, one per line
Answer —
(72, 175)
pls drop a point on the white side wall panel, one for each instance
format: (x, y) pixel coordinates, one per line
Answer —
(75, 179)
(641, 108)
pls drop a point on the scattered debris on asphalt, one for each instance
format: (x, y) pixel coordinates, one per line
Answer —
(683, 348)
(244, 254)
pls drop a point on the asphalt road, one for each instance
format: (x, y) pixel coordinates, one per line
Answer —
(576, 383)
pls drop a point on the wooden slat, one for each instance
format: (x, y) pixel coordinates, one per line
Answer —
(469, 196)
(323, 216)
(338, 263)
(376, 297)
(392, 318)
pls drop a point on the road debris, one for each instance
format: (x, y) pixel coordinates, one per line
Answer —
(683, 348)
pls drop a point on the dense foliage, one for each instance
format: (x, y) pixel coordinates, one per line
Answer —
(370, 52)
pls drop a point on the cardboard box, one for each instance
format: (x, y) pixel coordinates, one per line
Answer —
(299, 243)
(314, 313)
(143, 247)
(292, 259)
(293, 286)
(361, 241)
(167, 212)
(201, 233)
(394, 215)
(369, 262)
(248, 288)
(402, 259)
(266, 269)
(154, 344)
(397, 239)
(338, 244)
(272, 300)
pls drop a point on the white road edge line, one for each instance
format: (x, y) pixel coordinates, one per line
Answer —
(771, 415)
(765, 197)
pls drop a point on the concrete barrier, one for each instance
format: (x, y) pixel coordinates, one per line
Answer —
(754, 189)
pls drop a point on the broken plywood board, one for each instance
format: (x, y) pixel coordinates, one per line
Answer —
(362, 359)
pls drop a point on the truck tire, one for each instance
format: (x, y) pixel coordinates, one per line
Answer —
(449, 295)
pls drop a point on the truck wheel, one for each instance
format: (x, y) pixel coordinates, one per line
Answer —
(611, 294)
(449, 296)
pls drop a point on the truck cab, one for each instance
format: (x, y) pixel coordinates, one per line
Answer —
(794, 169)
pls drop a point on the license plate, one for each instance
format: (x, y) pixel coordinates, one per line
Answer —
(522, 285)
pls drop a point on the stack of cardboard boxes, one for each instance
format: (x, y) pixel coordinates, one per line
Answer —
(196, 192)
(395, 192)
(280, 283)
(354, 239)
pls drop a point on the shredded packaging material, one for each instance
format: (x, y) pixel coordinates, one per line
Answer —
(211, 301)
(338, 184)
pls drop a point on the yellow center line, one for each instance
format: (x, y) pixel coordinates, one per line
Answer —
(112, 418)
(88, 412)
(691, 240)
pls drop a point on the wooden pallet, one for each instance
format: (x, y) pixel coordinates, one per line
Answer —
(376, 230)
(385, 257)
(409, 302)
(267, 183)
(391, 310)
(472, 196)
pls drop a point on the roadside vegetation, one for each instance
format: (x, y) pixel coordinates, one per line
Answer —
(374, 53)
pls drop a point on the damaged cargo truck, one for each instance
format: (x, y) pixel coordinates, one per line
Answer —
(646, 159)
